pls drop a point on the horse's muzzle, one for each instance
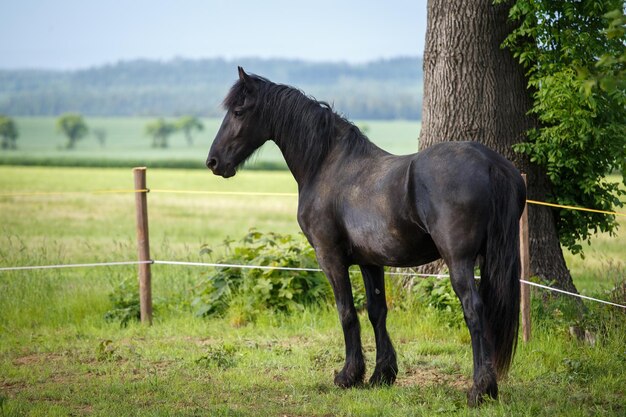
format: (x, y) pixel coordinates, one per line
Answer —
(212, 163)
(223, 170)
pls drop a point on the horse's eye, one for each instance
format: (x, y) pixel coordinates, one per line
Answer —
(237, 113)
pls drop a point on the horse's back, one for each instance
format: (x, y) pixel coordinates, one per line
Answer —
(455, 183)
(457, 170)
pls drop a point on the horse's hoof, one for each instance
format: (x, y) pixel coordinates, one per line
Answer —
(476, 397)
(383, 378)
(343, 380)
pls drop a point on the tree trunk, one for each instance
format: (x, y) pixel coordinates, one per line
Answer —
(476, 90)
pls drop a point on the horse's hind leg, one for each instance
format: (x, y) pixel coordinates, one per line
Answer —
(386, 362)
(337, 272)
(462, 277)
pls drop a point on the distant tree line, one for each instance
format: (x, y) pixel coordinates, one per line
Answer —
(385, 89)
(74, 128)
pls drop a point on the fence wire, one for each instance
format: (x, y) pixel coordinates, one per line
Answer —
(281, 268)
(87, 265)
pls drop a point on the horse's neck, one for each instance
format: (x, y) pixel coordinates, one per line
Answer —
(303, 158)
(342, 147)
(297, 163)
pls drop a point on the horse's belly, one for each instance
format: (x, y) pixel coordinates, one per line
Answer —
(391, 245)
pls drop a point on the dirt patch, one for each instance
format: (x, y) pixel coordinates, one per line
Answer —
(27, 360)
(35, 358)
(11, 387)
(424, 376)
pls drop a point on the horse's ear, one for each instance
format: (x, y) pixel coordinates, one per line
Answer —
(248, 82)
(243, 76)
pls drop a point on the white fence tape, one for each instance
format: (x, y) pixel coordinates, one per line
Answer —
(280, 268)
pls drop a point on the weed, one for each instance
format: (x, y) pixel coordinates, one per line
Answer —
(107, 351)
(576, 370)
(222, 356)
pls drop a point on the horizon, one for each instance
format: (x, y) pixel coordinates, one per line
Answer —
(74, 35)
(198, 59)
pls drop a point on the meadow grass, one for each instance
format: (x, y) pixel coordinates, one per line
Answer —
(183, 221)
(58, 356)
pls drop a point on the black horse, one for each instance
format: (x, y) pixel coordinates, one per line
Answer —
(358, 204)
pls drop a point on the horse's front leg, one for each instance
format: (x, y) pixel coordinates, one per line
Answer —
(386, 363)
(336, 269)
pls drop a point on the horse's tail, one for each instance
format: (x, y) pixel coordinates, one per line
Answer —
(500, 273)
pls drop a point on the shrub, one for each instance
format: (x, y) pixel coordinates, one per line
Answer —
(250, 291)
(438, 294)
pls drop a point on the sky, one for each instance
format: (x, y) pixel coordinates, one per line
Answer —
(73, 34)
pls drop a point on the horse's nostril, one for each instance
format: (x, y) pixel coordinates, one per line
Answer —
(211, 163)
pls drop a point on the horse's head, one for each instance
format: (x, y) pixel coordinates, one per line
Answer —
(241, 132)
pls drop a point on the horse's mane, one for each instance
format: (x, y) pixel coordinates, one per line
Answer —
(303, 125)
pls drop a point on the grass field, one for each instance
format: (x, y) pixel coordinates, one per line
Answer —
(58, 356)
(127, 144)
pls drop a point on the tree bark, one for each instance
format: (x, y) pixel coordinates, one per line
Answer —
(476, 90)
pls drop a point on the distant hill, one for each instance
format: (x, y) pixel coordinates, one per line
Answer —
(385, 89)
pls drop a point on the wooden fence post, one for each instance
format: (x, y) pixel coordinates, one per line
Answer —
(143, 245)
(525, 272)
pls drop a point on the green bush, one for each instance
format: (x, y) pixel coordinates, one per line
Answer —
(438, 294)
(574, 56)
(125, 300)
(246, 292)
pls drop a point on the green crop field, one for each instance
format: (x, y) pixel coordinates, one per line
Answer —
(60, 356)
(127, 144)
